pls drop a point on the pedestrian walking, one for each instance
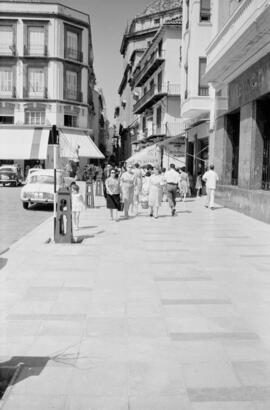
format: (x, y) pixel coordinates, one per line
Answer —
(156, 183)
(127, 185)
(211, 179)
(198, 185)
(164, 196)
(138, 188)
(184, 183)
(77, 205)
(112, 184)
(172, 183)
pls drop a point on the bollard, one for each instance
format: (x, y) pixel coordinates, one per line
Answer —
(99, 186)
(89, 194)
(63, 228)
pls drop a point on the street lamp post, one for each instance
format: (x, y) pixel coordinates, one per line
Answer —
(55, 143)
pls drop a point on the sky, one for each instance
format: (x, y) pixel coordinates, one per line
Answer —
(108, 22)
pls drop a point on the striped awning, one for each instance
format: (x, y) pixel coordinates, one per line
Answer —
(70, 140)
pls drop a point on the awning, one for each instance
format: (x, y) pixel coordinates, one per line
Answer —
(150, 155)
(70, 140)
(23, 143)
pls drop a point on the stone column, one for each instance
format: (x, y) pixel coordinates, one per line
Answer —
(222, 151)
(250, 149)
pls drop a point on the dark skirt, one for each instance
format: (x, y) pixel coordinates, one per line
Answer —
(113, 201)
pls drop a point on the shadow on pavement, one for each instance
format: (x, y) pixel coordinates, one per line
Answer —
(3, 262)
(41, 207)
(19, 368)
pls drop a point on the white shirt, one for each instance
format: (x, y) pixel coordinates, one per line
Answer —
(172, 177)
(211, 179)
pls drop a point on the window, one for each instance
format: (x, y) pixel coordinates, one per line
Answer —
(159, 81)
(71, 85)
(34, 117)
(6, 119)
(160, 46)
(187, 23)
(203, 86)
(205, 10)
(36, 82)
(159, 115)
(6, 81)
(6, 40)
(36, 41)
(70, 120)
(73, 43)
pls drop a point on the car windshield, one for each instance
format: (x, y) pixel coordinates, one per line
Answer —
(44, 179)
(7, 170)
(41, 179)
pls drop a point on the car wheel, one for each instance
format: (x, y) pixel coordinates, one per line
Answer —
(25, 205)
(4, 185)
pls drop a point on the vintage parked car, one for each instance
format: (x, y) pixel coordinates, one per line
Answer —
(39, 187)
(10, 175)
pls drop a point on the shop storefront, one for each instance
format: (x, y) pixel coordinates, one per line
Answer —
(242, 143)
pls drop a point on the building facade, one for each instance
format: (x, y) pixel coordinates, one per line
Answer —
(46, 77)
(156, 91)
(238, 67)
(136, 39)
(195, 98)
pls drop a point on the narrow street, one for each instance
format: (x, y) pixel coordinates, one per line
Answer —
(15, 221)
(145, 314)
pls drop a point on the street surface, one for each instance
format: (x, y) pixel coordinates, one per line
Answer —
(15, 221)
(144, 314)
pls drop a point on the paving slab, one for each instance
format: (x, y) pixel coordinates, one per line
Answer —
(156, 314)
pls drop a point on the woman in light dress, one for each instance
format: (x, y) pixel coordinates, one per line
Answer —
(156, 184)
(184, 183)
(127, 184)
(77, 205)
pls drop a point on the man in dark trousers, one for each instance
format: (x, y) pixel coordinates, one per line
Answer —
(172, 179)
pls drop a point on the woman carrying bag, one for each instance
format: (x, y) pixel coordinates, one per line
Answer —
(112, 185)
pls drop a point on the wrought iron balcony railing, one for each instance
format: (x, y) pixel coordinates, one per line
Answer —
(149, 67)
(73, 54)
(203, 91)
(8, 50)
(40, 94)
(36, 51)
(153, 95)
(73, 95)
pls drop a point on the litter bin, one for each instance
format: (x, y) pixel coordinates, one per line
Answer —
(63, 226)
(89, 194)
(99, 185)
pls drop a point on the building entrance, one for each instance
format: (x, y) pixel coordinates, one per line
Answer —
(233, 130)
(263, 122)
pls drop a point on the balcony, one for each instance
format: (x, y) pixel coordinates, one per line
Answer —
(149, 67)
(73, 95)
(40, 94)
(10, 93)
(73, 54)
(203, 91)
(242, 41)
(36, 51)
(7, 50)
(155, 94)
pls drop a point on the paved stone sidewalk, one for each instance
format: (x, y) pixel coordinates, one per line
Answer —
(144, 314)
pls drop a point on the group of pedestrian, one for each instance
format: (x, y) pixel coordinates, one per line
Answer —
(127, 187)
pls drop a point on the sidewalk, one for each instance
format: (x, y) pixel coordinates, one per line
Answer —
(144, 314)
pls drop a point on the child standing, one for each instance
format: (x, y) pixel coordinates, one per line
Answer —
(77, 204)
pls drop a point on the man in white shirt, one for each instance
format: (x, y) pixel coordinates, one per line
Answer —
(172, 179)
(211, 179)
